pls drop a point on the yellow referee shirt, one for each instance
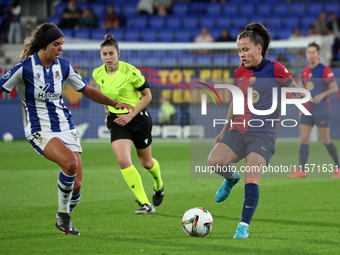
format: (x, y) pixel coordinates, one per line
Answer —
(122, 86)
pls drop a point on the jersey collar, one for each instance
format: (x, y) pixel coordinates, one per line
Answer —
(259, 67)
(38, 62)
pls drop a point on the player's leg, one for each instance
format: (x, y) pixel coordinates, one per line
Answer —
(224, 153)
(151, 165)
(324, 133)
(76, 194)
(122, 150)
(56, 151)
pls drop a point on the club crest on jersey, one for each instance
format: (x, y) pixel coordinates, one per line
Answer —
(122, 91)
(7, 75)
(252, 80)
(57, 74)
(310, 75)
(310, 85)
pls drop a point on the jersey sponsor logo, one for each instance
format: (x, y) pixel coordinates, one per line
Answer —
(256, 96)
(252, 80)
(310, 85)
(47, 95)
(7, 75)
(122, 91)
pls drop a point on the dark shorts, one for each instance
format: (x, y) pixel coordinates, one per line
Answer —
(243, 144)
(318, 120)
(138, 129)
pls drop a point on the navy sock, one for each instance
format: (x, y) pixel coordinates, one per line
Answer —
(251, 199)
(333, 152)
(303, 155)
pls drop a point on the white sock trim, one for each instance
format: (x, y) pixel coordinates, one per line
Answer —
(244, 224)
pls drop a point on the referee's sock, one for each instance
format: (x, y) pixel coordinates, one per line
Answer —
(303, 155)
(333, 152)
(155, 173)
(251, 199)
(134, 181)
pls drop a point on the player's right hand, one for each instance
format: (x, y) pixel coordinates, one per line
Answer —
(218, 138)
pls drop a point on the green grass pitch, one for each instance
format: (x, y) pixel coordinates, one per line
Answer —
(298, 216)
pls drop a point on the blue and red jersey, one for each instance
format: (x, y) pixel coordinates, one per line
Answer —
(316, 80)
(268, 75)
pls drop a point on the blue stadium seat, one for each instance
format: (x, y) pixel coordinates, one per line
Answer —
(82, 33)
(332, 7)
(54, 19)
(157, 22)
(234, 59)
(68, 32)
(281, 8)
(190, 22)
(258, 19)
(173, 22)
(230, 9)
(314, 8)
(283, 34)
(197, 8)
(204, 60)
(169, 61)
(117, 33)
(307, 21)
(180, 8)
(166, 36)
(220, 60)
(207, 21)
(98, 34)
(129, 10)
(140, 22)
(215, 32)
(264, 9)
(187, 60)
(234, 32)
(98, 9)
(183, 36)
(274, 22)
(152, 61)
(214, 9)
(135, 61)
(132, 35)
(59, 9)
(247, 9)
(149, 35)
(223, 21)
(240, 22)
(292, 22)
(298, 8)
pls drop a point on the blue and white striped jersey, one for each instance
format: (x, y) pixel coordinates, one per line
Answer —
(40, 90)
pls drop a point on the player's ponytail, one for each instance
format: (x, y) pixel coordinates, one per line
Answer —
(258, 34)
(109, 40)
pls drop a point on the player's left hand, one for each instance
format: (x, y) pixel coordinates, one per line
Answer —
(123, 119)
(124, 105)
(318, 99)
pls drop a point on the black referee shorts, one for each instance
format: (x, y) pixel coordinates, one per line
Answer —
(138, 129)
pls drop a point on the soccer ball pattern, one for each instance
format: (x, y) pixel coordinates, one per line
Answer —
(197, 221)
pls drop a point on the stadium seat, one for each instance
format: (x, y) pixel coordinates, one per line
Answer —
(68, 32)
(223, 22)
(157, 22)
(169, 61)
(230, 9)
(129, 10)
(292, 22)
(298, 8)
(274, 23)
(132, 35)
(82, 34)
(234, 60)
(140, 22)
(307, 21)
(258, 19)
(98, 34)
(332, 7)
(234, 32)
(149, 35)
(314, 8)
(283, 34)
(98, 9)
(247, 9)
(204, 60)
(197, 8)
(59, 9)
(214, 9)
(152, 61)
(240, 22)
(215, 32)
(186, 61)
(180, 8)
(220, 60)
(183, 36)
(166, 36)
(190, 22)
(207, 21)
(117, 33)
(54, 19)
(135, 61)
(264, 9)
(281, 9)
(173, 22)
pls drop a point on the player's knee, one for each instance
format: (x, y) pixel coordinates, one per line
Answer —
(213, 161)
(70, 165)
(124, 162)
(147, 164)
(325, 140)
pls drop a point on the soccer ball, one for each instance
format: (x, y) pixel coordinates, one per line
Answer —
(197, 221)
(8, 137)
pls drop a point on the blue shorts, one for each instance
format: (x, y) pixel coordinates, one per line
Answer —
(243, 144)
(318, 120)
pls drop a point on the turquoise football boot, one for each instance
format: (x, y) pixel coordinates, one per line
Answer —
(241, 231)
(224, 191)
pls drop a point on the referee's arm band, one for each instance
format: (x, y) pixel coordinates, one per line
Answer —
(144, 86)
